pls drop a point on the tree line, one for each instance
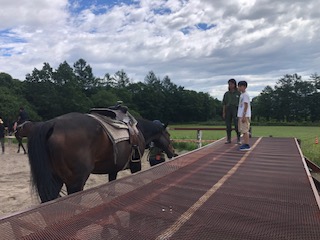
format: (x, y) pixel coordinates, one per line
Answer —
(46, 93)
(291, 100)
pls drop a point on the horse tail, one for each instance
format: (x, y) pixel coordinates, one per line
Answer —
(46, 184)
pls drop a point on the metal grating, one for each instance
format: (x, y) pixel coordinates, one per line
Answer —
(216, 192)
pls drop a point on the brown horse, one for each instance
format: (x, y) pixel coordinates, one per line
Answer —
(22, 130)
(67, 149)
(19, 137)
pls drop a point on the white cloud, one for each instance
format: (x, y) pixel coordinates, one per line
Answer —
(258, 41)
(31, 14)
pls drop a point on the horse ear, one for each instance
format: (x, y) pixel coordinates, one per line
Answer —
(166, 125)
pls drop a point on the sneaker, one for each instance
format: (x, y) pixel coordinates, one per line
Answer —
(227, 142)
(245, 147)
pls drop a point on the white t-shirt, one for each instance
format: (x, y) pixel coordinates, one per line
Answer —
(244, 98)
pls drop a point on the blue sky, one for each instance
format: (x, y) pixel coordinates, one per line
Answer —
(199, 44)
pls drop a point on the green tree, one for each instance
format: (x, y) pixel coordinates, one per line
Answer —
(40, 91)
(73, 99)
(10, 104)
(316, 80)
(107, 81)
(84, 75)
(314, 107)
(285, 107)
(152, 79)
(171, 105)
(303, 91)
(314, 99)
(5, 80)
(120, 79)
(64, 74)
(104, 98)
(263, 105)
(43, 75)
(44, 97)
(151, 100)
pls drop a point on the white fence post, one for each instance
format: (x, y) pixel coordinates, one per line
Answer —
(199, 138)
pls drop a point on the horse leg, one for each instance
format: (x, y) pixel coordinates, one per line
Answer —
(112, 176)
(135, 166)
(25, 152)
(60, 185)
(73, 188)
(77, 184)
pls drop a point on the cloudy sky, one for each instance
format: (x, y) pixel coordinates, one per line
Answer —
(199, 44)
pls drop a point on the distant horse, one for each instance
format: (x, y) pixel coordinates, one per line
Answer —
(24, 129)
(19, 138)
(67, 149)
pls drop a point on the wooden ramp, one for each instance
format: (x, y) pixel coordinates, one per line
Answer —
(216, 192)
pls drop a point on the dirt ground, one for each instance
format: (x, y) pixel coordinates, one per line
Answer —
(16, 193)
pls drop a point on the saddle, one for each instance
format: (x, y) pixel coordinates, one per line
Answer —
(119, 117)
(118, 113)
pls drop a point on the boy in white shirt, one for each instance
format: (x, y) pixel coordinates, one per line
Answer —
(244, 115)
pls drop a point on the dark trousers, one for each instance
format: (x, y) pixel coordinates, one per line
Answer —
(231, 117)
(2, 144)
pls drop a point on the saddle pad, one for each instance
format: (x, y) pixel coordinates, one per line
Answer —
(116, 130)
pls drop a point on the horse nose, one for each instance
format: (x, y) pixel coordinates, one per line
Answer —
(172, 153)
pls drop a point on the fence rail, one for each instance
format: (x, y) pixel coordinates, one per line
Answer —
(199, 133)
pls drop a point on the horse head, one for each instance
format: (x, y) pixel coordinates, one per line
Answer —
(157, 132)
(164, 142)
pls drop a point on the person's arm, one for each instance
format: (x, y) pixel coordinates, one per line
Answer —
(224, 106)
(244, 112)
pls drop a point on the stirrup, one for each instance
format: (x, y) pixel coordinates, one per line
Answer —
(135, 155)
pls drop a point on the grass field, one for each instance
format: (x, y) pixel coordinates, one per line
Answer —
(307, 135)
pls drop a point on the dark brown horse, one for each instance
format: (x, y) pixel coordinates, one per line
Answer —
(22, 130)
(19, 138)
(67, 149)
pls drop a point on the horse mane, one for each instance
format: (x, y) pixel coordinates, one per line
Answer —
(148, 127)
